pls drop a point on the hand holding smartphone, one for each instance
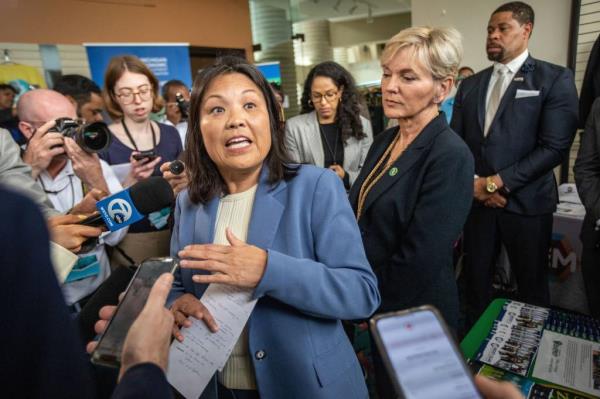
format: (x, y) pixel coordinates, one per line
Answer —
(110, 346)
(148, 155)
(420, 355)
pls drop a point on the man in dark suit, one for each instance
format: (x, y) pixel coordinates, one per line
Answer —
(519, 118)
(587, 178)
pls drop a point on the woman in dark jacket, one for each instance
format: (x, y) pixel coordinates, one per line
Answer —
(414, 192)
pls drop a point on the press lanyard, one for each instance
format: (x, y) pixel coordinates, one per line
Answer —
(131, 137)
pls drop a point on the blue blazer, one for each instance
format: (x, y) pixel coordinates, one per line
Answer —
(317, 273)
(529, 136)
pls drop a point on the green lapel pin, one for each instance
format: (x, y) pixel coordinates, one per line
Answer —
(393, 171)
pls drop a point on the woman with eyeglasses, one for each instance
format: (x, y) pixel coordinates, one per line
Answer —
(139, 147)
(330, 132)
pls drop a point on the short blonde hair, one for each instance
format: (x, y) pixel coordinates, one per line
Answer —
(438, 49)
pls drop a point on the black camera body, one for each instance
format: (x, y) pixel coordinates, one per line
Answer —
(92, 138)
(184, 106)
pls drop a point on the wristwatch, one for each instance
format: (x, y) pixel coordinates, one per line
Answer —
(490, 186)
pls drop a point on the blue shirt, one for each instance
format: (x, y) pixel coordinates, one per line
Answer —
(446, 108)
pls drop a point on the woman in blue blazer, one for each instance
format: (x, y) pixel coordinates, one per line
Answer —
(302, 259)
(414, 191)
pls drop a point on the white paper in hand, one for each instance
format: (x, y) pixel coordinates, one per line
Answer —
(193, 362)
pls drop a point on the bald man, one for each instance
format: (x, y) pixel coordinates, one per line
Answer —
(67, 173)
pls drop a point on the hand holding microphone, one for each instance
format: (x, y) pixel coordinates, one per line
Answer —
(130, 205)
(174, 172)
(66, 231)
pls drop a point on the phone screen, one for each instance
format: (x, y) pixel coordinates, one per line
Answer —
(108, 351)
(425, 362)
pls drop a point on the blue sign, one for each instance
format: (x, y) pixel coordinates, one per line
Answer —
(118, 211)
(271, 71)
(167, 61)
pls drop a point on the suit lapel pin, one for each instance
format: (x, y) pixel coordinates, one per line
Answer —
(519, 79)
(393, 172)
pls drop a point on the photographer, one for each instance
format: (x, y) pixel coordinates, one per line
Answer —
(67, 174)
(176, 107)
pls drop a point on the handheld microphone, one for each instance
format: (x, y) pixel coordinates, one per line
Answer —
(176, 167)
(131, 205)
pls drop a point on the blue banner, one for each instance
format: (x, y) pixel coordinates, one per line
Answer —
(167, 61)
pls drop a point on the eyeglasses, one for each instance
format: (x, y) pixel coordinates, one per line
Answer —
(127, 96)
(330, 97)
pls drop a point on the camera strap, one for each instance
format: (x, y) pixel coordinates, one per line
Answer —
(131, 137)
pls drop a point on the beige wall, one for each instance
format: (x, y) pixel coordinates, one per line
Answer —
(350, 33)
(222, 23)
(550, 37)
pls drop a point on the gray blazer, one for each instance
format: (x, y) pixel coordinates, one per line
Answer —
(304, 144)
(16, 174)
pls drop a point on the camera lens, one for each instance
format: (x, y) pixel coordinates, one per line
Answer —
(94, 137)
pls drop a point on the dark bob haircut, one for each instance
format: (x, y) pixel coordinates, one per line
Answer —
(348, 112)
(205, 180)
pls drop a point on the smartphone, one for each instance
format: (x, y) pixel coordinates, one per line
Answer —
(110, 345)
(149, 155)
(420, 355)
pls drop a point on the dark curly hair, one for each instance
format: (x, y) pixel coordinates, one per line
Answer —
(348, 113)
(205, 180)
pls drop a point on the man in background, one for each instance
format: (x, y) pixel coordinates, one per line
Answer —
(463, 73)
(173, 108)
(8, 116)
(84, 94)
(518, 118)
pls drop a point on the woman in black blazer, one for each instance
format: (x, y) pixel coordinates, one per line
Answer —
(415, 190)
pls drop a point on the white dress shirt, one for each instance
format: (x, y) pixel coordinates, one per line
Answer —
(511, 70)
(66, 190)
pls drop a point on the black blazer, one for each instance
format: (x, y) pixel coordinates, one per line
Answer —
(528, 137)
(590, 87)
(587, 176)
(42, 354)
(411, 220)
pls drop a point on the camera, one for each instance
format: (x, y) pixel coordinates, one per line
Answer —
(184, 106)
(176, 167)
(93, 137)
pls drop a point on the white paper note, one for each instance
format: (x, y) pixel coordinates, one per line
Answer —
(193, 362)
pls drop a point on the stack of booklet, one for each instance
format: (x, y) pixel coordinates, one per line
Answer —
(557, 347)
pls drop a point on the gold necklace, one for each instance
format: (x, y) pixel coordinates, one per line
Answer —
(371, 180)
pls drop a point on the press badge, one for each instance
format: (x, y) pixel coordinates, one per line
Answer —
(160, 218)
(86, 266)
